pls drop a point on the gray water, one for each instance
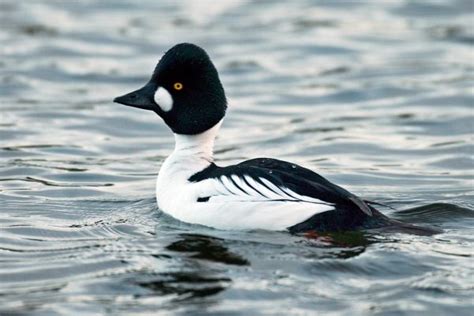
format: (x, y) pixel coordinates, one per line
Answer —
(376, 96)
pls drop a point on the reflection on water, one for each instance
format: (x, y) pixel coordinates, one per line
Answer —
(376, 96)
(206, 248)
(185, 285)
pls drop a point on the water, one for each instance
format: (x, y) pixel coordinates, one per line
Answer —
(377, 96)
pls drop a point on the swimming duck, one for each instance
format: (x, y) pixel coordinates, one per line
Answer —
(262, 193)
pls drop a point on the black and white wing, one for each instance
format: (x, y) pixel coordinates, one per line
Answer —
(274, 194)
(272, 180)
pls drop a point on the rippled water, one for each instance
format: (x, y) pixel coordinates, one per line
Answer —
(377, 96)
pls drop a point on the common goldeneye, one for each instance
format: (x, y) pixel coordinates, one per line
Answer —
(263, 193)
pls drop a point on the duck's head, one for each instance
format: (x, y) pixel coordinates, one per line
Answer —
(184, 90)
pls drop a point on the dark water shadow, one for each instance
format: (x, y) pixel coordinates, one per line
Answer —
(186, 285)
(198, 280)
(207, 248)
(336, 245)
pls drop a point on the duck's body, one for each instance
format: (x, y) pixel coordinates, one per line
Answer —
(262, 193)
(193, 189)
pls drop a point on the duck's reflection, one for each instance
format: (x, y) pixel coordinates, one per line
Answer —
(340, 245)
(201, 280)
(187, 285)
(207, 248)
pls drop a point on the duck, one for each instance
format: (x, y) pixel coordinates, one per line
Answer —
(185, 91)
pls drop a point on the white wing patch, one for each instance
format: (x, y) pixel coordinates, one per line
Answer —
(229, 186)
(241, 184)
(261, 189)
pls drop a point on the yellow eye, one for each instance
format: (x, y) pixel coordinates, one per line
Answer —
(178, 86)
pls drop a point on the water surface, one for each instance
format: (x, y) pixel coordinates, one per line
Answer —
(376, 96)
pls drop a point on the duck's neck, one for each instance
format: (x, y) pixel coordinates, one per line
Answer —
(196, 147)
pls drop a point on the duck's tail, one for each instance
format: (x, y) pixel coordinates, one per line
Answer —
(341, 220)
(390, 225)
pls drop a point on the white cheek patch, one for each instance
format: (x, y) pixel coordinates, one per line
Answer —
(164, 99)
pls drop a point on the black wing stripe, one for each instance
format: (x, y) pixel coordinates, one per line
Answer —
(246, 181)
(260, 181)
(293, 195)
(225, 187)
(290, 193)
(237, 186)
(282, 190)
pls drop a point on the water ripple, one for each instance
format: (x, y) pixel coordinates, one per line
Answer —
(375, 96)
